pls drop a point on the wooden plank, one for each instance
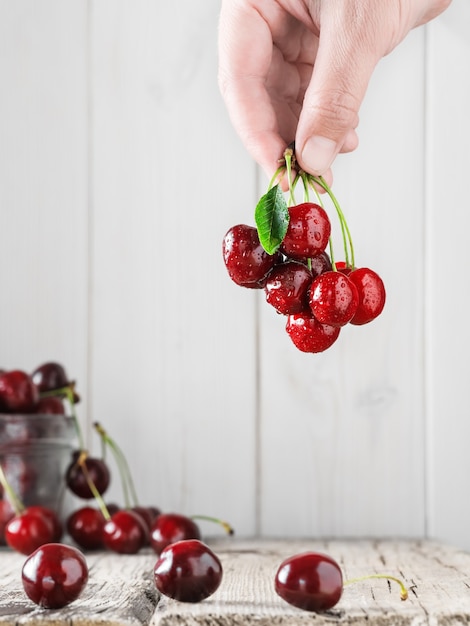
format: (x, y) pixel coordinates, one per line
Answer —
(343, 431)
(121, 592)
(448, 336)
(170, 331)
(43, 185)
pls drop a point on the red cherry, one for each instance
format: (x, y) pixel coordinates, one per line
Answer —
(171, 527)
(51, 405)
(148, 514)
(371, 292)
(333, 298)
(320, 264)
(187, 571)
(287, 287)
(77, 482)
(28, 530)
(341, 266)
(310, 335)
(49, 514)
(308, 231)
(246, 261)
(18, 393)
(50, 376)
(125, 532)
(311, 581)
(54, 575)
(85, 526)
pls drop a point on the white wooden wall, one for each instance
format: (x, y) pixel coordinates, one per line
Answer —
(119, 175)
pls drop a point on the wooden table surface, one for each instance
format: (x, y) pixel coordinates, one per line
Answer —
(120, 591)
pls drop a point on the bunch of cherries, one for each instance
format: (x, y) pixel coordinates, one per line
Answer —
(286, 255)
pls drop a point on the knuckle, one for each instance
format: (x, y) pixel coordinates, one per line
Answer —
(336, 110)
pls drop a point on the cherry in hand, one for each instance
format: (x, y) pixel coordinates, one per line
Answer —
(246, 261)
(308, 231)
(188, 571)
(54, 575)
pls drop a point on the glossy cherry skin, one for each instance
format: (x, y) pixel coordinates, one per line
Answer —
(52, 517)
(172, 527)
(54, 575)
(320, 264)
(371, 292)
(76, 480)
(308, 231)
(287, 287)
(125, 533)
(246, 261)
(187, 571)
(29, 530)
(310, 335)
(311, 581)
(18, 393)
(50, 376)
(85, 526)
(333, 298)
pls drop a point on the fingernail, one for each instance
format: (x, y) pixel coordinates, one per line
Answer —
(318, 155)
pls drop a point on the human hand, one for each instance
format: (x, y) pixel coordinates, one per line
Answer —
(299, 69)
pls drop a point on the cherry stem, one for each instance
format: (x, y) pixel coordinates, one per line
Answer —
(347, 239)
(277, 174)
(81, 461)
(124, 470)
(68, 392)
(403, 590)
(225, 525)
(16, 503)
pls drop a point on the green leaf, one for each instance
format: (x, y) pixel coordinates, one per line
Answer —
(272, 219)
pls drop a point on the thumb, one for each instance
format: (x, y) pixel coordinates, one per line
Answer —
(330, 111)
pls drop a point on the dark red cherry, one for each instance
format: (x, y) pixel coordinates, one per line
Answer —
(311, 581)
(246, 261)
(28, 530)
(343, 267)
(54, 575)
(308, 231)
(50, 376)
(320, 264)
(18, 393)
(148, 514)
(310, 335)
(125, 533)
(52, 516)
(188, 571)
(85, 526)
(51, 405)
(168, 528)
(333, 298)
(76, 479)
(287, 287)
(371, 292)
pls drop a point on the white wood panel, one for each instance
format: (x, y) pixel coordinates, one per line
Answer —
(43, 185)
(173, 338)
(448, 301)
(342, 431)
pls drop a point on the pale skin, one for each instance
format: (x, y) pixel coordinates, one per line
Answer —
(299, 70)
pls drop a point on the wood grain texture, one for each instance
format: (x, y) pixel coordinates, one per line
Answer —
(121, 591)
